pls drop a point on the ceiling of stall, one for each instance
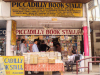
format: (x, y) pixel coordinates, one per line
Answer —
(49, 24)
(60, 24)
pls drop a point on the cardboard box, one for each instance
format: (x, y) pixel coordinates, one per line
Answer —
(47, 55)
(42, 59)
(33, 59)
(47, 52)
(56, 53)
(25, 56)
(52, 53)
(52, 60)
(42, 52)
(43, 55)
(59, 57)
(48, 73)
(52, 56)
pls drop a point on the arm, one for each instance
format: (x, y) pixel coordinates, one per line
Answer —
(25, 49)
(22, 48)
(47, 47)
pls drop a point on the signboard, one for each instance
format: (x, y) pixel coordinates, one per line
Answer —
(48, 32)
(2, 69)
(3, 32)
(46, 9)
(14, 65)
(13, 33)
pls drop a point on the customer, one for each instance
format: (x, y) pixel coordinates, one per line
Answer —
(43, 46)
(34, 47)
(70, 61)
(22, 46)
(58, 47)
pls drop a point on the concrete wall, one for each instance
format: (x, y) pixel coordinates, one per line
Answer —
(96, 44)
(5, 9)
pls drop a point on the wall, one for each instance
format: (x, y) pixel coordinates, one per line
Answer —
(96, 44)
(5, 9)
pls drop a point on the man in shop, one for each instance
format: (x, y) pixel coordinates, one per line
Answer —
(58, 47)
(23, 47)
(34, 47)
(70, 61)
(43, 46)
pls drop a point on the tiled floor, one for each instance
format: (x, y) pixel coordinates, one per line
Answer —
(95, 71)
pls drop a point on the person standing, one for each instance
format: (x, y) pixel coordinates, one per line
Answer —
(58, 47)
(34, 47)
(23, 48)
(43, 46)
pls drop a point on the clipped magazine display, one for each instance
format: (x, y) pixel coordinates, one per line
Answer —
(2, 69)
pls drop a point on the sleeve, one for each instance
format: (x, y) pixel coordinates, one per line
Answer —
(47, 47)
(40, 48)
(22, 48)
(25, 49)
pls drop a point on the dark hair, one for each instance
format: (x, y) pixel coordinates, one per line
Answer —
(35, 40)
(73, 51)
(42, 41)
(22, 40)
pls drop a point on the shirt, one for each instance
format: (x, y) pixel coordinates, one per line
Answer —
(71, 58)
(35, 48)
(23, 48)
(43, 47)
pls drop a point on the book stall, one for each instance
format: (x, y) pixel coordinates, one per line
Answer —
(44, 61)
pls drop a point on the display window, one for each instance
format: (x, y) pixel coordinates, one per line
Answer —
(67, 42)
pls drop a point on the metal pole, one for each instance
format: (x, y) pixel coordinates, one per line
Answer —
(99, 67)
(88, 67)
(89, 36)
(77, 67)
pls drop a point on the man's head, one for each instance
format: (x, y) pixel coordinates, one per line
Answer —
(42, 41)
(73, 52)
(35, 41)
(23, 41)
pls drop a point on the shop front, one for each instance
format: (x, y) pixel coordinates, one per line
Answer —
(2, 37)
(68, 38)
(48, 21)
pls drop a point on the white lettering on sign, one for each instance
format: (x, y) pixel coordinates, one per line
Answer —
(49, 32)
(2, 32)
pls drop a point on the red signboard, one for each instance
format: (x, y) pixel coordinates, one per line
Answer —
(48, 32)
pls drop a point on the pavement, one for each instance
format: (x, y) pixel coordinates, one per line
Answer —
(95, 71)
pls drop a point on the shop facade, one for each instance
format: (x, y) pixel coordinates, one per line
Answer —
(68, 38)
(54, 12)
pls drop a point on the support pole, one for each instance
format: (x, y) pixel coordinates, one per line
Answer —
(8, 39)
